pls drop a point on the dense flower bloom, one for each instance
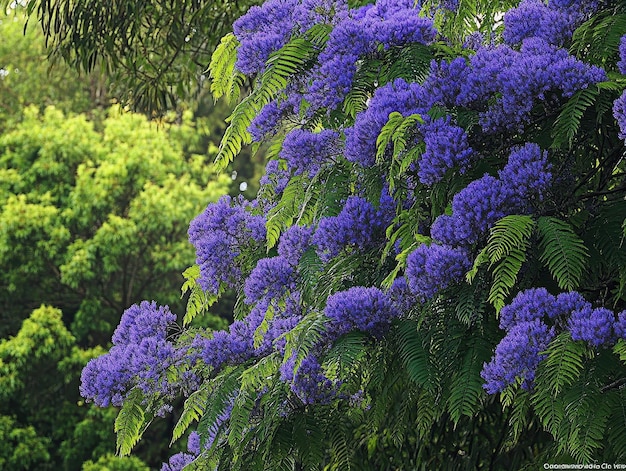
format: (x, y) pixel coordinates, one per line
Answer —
(517, 356)
(527, 306)
(218, 234)
(432, 268)
(140, 355)
(177, 462)
(261, 31)
(519, 79)
(267, 121)
(358, 224)
(358, 308)
(359, 34)
(306, 152)
(308, 383)
(294, 242)
(446, 147)
(271, 278)
(594, 326)
(234, 346)
(400, 96)
(527, 173)
(621, 65)
(474, 211)
(533, 18)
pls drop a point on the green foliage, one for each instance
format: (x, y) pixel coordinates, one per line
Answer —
(154, 53)
(282, 65)
(22, 448)
(563, 252)
(111, 462)
(80, 215)
(130, 422)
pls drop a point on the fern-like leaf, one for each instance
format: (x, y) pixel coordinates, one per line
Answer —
(508, 234)
(466, 387)
(568, 122)
(130, 422)
(225, 81)
(193, 410)
(199, 300)
(504, 277)
(413, 354)
(563, 252)
(563, 363)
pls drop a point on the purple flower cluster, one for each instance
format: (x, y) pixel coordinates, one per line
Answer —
(432, 268)
(517, 356)
(309, 383)
(527, 322)
(227, 347)
(621, 64)
(359, 224)
(140, 355)
(275, 178)
(294, 242)
(178, 462)
(400, 96)
(218, 234)
(306, 152)
(518, 80)
(261, 31)
(237, 344)
(270, 279)
(267, 121)
(446, 147)
(477, 207)
(358, 308)
(535, 19)
(360, 33)
(594, 326)
(619, 113)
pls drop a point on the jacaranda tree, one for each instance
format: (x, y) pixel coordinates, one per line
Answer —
(433, 273)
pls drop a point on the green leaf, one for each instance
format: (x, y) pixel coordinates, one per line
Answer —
(193, 410)
(199, 300)
(130, 422)
(221, 69)
(568, 122)
(562, 251)
(466, 387)
(563, 363)
(414, 356)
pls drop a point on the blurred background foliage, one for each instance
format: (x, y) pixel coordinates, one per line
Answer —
(95, 202)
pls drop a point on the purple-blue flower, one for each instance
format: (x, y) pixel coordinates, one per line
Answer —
(517, 356)
(359, 224)
(306, 152)
(218, 234)
(432, 268)
(359, 308)
(594, 326)
(140, 356)
(399, 96)
(446, 148)
(294, 242)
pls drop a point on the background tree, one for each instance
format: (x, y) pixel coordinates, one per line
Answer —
(153, 52)
(431, 276)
